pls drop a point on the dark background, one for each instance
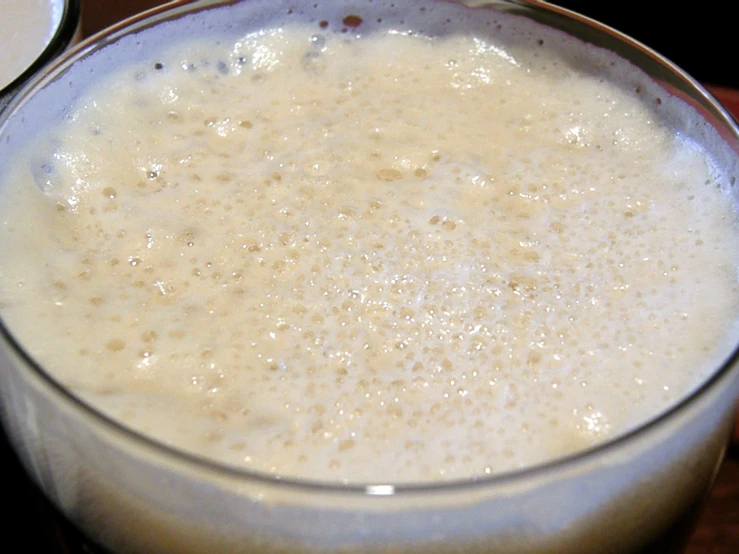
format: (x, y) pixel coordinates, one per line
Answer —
(698, 37)
(701, 38)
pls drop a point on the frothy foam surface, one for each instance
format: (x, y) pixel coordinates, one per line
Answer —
(359, 257)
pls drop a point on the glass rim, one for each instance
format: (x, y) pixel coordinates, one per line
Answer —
(195, 462)
(62, 37)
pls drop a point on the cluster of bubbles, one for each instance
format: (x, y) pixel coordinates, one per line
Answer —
(349, 264)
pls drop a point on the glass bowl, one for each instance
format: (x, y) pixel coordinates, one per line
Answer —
(55, 30)
(636, 493)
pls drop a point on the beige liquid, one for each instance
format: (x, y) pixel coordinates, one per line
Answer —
(26, 28)
(303, 254)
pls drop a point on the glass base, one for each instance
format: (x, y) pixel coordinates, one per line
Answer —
(55, 534)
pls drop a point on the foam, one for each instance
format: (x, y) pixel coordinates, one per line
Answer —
(477, 262)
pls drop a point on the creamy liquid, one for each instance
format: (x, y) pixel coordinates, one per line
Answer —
(26, 28)
(361, 258)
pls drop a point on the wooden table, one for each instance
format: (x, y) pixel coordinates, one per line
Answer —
(718, 529)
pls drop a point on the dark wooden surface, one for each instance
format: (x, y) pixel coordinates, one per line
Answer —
(718, 529)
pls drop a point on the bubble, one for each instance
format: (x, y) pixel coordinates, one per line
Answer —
(149, 336)
(46, 176)
(115, 345)
(352, 21)
(318, 41)
(389, 174)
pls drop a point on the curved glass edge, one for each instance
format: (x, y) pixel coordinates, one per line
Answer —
(665, 73)
(588, 30)
(63, 37)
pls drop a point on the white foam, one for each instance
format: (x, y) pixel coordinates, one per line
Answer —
(305, 255)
